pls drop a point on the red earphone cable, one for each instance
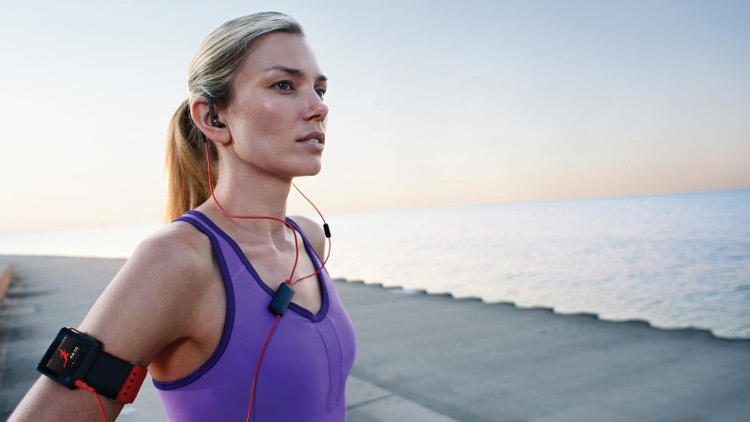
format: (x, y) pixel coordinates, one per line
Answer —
(210, 186)
(84, 386)
(296, 259)
(257, 368)
(328, 235)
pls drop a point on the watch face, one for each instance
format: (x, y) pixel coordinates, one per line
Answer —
(63, 361)
(69, 356)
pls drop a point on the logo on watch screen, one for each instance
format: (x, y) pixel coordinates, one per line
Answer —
(64, 360)
(65, 357)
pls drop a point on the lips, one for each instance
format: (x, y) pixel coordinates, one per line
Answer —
(313, 138)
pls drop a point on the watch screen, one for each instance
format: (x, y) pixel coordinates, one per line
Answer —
(63, 360)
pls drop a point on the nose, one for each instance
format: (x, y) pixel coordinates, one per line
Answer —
(316, 108)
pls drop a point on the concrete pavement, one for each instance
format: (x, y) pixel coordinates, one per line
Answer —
(434, 358)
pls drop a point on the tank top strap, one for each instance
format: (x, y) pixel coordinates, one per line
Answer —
(228, 257)
(239, 274)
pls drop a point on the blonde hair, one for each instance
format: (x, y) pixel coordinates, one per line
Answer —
(211, 72)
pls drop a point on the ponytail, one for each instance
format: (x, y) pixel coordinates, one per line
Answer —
(186, 168)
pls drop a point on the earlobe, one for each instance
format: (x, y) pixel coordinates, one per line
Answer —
(207, 119)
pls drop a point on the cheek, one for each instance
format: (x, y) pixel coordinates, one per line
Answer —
(267, 120)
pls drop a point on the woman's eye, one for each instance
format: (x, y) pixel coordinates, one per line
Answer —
(321, 92)
(283, 85)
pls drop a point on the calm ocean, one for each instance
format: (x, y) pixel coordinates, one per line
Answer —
(680, 260)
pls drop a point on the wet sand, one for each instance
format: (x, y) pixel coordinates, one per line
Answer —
(434, 358)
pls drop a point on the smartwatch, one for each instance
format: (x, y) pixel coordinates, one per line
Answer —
(75, 356)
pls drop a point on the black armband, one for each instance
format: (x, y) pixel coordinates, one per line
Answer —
(75, 356)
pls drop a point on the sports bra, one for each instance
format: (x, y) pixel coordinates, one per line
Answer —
(305, 365)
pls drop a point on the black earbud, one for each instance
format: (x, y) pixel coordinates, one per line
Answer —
(214, 120)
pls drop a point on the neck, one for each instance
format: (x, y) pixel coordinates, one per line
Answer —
(251, 196)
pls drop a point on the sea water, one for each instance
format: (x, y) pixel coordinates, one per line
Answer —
(673, 260)
(676, 261)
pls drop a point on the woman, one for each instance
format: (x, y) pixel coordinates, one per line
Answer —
(192, 301)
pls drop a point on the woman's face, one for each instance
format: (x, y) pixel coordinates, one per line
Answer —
(277, 118)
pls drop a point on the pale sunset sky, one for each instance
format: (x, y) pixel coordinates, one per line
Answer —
(432, 102)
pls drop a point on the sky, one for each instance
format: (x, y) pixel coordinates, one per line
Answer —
(432, 103)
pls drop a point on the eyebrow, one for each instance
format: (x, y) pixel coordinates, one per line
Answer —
(295, 72)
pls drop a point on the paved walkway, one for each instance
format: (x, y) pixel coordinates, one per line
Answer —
(433, 358)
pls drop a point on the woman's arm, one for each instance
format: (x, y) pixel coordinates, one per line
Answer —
(145, 307)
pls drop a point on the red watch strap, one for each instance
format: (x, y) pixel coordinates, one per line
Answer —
(132, 385)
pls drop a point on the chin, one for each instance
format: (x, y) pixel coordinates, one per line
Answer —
(312, 173)
(311, 169)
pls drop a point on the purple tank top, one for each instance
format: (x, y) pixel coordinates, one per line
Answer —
(306, 363)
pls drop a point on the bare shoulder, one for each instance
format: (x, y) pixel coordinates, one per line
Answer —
(177, 248)
(153, 294)
(171, 259)
(313, 232)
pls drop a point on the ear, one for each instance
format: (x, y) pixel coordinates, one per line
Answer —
(200, 114)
